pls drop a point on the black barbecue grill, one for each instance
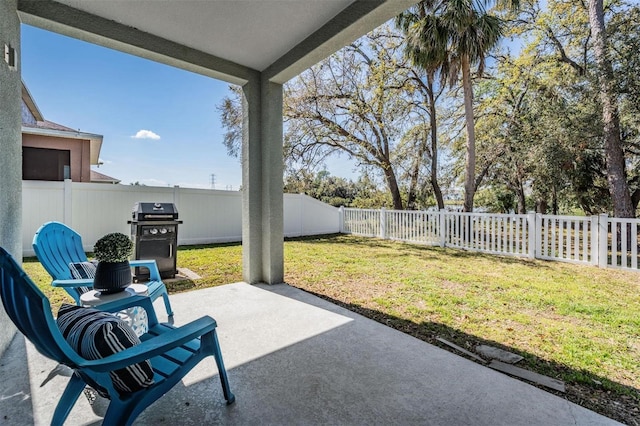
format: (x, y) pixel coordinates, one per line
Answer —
(154, 231)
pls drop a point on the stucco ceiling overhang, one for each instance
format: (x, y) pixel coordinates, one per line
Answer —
(233, 40)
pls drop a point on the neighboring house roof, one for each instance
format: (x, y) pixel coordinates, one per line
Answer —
(46, 124)
(31, 103)
(34, 123)
(97, 177)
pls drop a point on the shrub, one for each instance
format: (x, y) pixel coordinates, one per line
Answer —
(114, 247)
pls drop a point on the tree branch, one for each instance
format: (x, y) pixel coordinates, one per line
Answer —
(563, 54)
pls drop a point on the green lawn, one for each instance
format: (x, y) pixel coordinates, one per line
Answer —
(579, 324)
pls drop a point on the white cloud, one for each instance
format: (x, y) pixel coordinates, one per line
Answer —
(146, 134)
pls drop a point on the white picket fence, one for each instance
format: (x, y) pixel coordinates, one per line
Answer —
(596, 240)
(209, 216)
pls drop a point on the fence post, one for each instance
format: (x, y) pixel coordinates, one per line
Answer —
(538, 236)
(383, 223)
(532, 240)
(603, 240)
(443, 227)
(67, 203)
(176, 195)
(595, 244)
(341, 219)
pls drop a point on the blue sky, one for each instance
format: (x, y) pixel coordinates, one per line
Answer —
(98, 90)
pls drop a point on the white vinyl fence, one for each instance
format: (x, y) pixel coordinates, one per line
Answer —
(209, 216)
(596, 240)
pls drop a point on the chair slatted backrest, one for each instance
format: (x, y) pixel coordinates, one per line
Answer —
(30, 311)
(56, 246)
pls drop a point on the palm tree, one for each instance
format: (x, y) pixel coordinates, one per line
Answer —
(447, 37)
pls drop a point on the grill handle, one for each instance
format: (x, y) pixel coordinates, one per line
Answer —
(159, 216)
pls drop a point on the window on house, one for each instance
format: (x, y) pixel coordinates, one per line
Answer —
(45, 164)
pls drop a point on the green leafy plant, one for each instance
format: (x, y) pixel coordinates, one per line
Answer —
(113, 247)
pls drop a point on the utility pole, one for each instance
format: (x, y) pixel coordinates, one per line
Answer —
(213, 181)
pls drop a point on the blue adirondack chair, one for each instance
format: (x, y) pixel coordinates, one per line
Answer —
(173, 352)
(56, 246)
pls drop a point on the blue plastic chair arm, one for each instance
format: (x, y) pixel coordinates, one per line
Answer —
(154, 273)
(85, 282)
(155, 346)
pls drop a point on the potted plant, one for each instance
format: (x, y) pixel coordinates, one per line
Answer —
(113, 273)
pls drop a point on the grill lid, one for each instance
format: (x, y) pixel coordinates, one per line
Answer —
(154, 211)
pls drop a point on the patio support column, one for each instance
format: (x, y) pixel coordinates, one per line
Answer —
(262, 194)
(10, 146)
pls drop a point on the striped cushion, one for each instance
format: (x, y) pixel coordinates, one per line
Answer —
(95, 334)
(83, 270)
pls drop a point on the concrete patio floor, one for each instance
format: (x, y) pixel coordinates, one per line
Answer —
(295, 359)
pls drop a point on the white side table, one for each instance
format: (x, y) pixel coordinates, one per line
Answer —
(136, 316)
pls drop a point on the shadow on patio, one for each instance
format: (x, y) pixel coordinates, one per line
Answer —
(294, 358)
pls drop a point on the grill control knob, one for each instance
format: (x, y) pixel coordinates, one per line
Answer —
(153, 231)
(163, 230)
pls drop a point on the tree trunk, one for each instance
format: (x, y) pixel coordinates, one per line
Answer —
(614, 155)
(469, 182)
(392, 183)
(415, 174)
(541, 206)
(433, 122)
(522, 201)
(635, 199)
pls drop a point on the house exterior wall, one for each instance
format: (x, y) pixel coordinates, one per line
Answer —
(79, 152)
